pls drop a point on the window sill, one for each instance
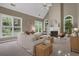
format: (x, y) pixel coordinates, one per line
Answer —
(7, 39)
(3, 37)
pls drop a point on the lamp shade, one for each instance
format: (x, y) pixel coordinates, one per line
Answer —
(76, 29)
(33, 28)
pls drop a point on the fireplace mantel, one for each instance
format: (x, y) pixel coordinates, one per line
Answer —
(55, 29)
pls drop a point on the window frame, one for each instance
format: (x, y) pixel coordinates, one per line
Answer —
(45, 24)
(38, 26)
(65, 20)
(12, 26)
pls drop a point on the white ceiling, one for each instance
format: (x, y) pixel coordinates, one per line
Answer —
(34, 9)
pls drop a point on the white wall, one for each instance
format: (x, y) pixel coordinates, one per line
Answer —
(54, 16)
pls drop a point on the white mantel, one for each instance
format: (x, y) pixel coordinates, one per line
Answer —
(53, 29)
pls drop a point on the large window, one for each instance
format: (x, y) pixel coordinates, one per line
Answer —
(45, 24)
(38, 26)
(10, 25)
(68, 24)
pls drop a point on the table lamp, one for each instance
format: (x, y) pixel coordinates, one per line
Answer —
(76, 30)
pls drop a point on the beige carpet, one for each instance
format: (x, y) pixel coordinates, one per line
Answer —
(61, 47)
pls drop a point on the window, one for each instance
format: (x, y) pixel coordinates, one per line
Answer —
(45, 24)
(10, 25)
(68, 24)
(38, 26)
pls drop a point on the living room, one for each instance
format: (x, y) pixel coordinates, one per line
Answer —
(45, 23)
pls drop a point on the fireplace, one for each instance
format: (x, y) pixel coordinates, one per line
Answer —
(54, 33)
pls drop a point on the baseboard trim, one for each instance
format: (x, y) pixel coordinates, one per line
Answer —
(5, 41)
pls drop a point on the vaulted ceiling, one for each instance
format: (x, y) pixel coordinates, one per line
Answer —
(34, 9)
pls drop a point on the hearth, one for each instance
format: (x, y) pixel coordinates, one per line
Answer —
(54, 33)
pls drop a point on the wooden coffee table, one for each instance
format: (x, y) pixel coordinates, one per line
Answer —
(43, 49)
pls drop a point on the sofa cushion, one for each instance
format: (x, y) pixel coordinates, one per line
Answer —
(36, 36)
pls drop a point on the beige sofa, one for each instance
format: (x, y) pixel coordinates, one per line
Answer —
(29, 41)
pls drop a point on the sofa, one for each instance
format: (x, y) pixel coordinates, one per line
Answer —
(28, 42)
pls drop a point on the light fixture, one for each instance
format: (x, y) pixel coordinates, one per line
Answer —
(47, 5)
(44, 5)
(13, 4)
(76, 30)
(33, 28)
